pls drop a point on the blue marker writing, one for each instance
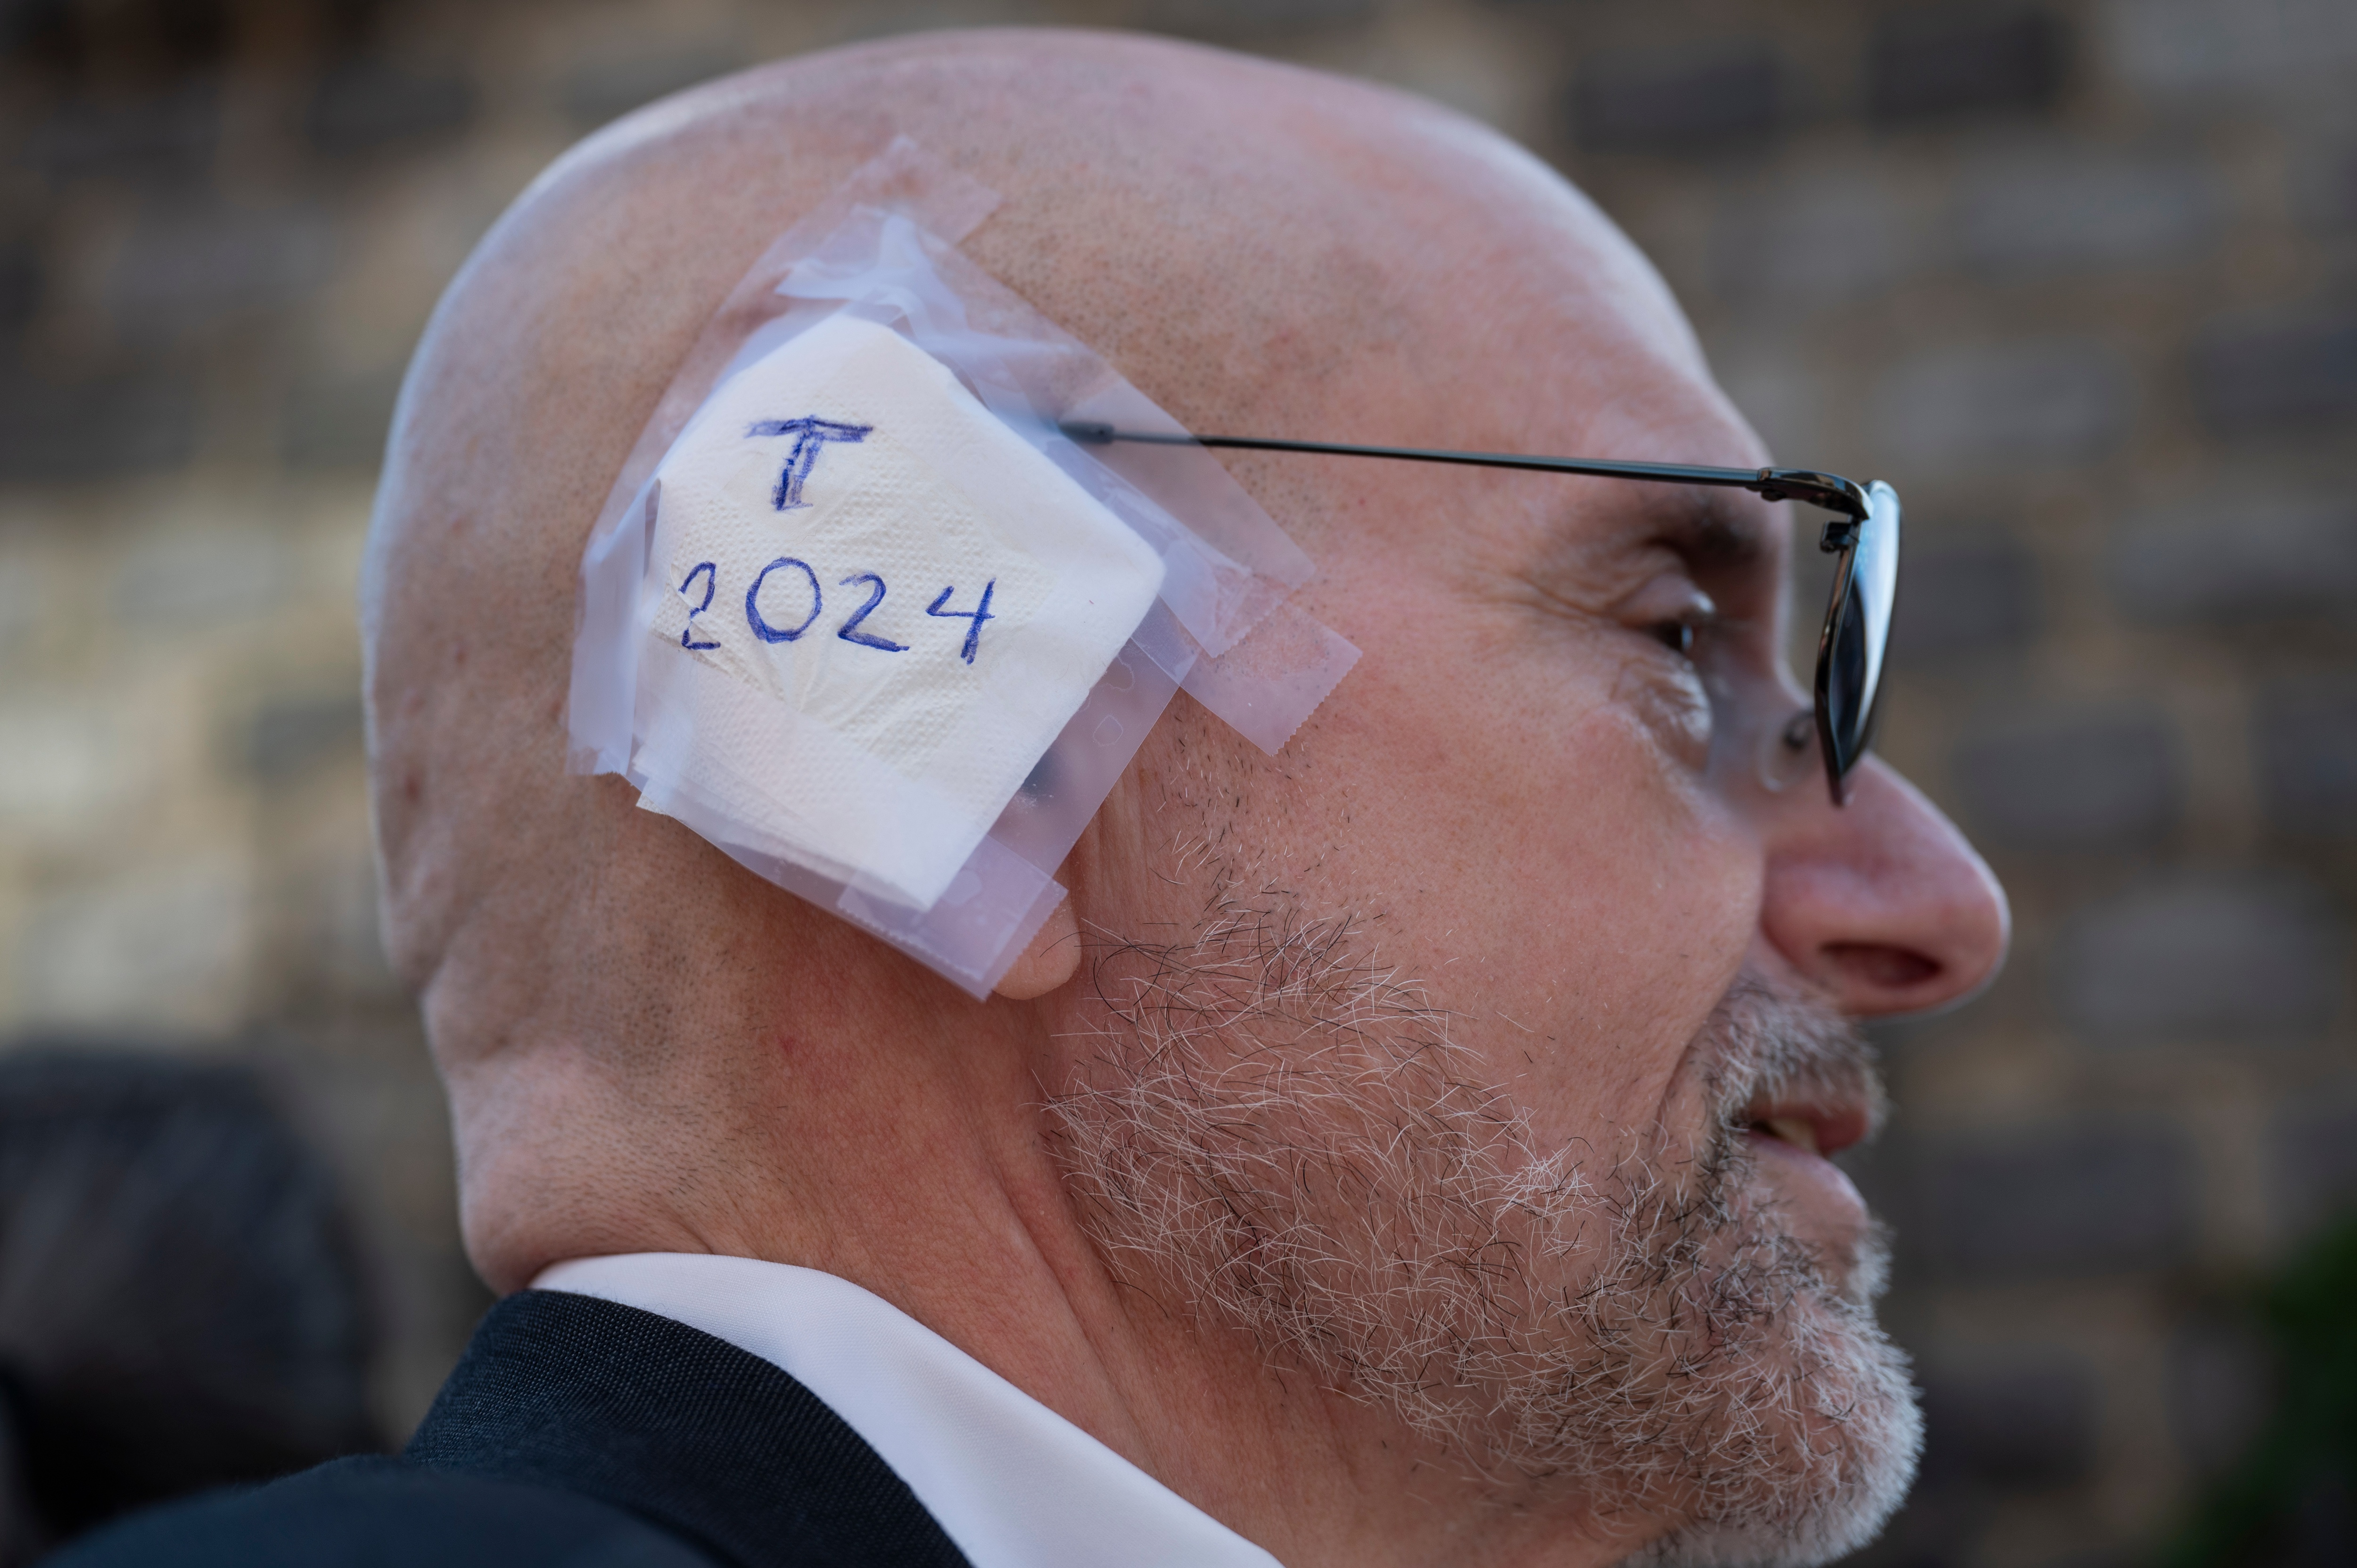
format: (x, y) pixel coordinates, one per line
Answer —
(809, 434)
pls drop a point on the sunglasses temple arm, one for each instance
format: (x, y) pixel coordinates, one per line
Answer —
(1827, 490)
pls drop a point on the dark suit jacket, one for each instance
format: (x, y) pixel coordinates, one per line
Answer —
(579, 1433)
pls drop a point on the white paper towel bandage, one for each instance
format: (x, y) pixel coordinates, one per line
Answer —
(856, 612)
(921, 597)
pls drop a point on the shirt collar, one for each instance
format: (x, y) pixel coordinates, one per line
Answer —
(1011, 1482)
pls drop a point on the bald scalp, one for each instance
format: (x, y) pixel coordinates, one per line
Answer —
(1247, 242)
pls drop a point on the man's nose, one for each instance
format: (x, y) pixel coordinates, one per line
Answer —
(1882, 902)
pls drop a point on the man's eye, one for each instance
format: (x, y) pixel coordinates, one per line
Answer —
(1671, 611)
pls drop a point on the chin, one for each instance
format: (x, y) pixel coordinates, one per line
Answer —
(1789, 1426)
(1827, 1447)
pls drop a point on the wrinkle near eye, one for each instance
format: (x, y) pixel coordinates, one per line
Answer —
(1627, 558)
(1667, 696)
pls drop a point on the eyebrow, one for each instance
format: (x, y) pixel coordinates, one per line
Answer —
(1705, 526)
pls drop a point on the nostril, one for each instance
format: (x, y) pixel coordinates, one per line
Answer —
(1883, 968)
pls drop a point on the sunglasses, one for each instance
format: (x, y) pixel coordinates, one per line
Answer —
(1864, 537)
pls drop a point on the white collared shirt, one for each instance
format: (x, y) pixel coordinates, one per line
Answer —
(1011, 1482)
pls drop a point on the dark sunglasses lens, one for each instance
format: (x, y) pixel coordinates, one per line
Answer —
(1850, 677)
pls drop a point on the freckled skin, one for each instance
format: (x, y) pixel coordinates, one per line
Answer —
(647, 1048)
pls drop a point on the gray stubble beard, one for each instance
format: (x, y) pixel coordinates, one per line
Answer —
(1278, 1137)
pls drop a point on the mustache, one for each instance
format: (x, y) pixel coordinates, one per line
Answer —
(1767, 1044)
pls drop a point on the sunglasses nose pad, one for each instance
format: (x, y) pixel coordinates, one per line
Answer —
(1787, 751)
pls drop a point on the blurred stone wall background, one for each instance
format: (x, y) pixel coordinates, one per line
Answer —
(2077, 274)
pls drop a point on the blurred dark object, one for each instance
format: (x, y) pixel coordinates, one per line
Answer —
(1727, 93)
(2292, 1500)
(181, 1301)
(2020, 1422)
(364, 105)
(1947, 61)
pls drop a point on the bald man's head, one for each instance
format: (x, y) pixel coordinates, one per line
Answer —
(1437, 1061)
(1254, 246)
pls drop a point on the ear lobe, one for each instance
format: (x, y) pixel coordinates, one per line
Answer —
(1051, 960)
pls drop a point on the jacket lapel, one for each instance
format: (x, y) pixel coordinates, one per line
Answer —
(631, 1408)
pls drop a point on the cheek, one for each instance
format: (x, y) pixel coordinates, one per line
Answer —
(1637, 906)
(1521, 831)
(1548, 865)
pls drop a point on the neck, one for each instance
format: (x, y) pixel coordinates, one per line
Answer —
(910, 1156)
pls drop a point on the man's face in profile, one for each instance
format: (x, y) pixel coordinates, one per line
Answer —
(1480, 1052)
(1473, 1057)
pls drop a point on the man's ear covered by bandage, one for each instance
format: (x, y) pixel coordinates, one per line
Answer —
(857, 612)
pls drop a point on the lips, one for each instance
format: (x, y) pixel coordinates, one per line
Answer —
(1814, 1126)
(1790, 1138)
